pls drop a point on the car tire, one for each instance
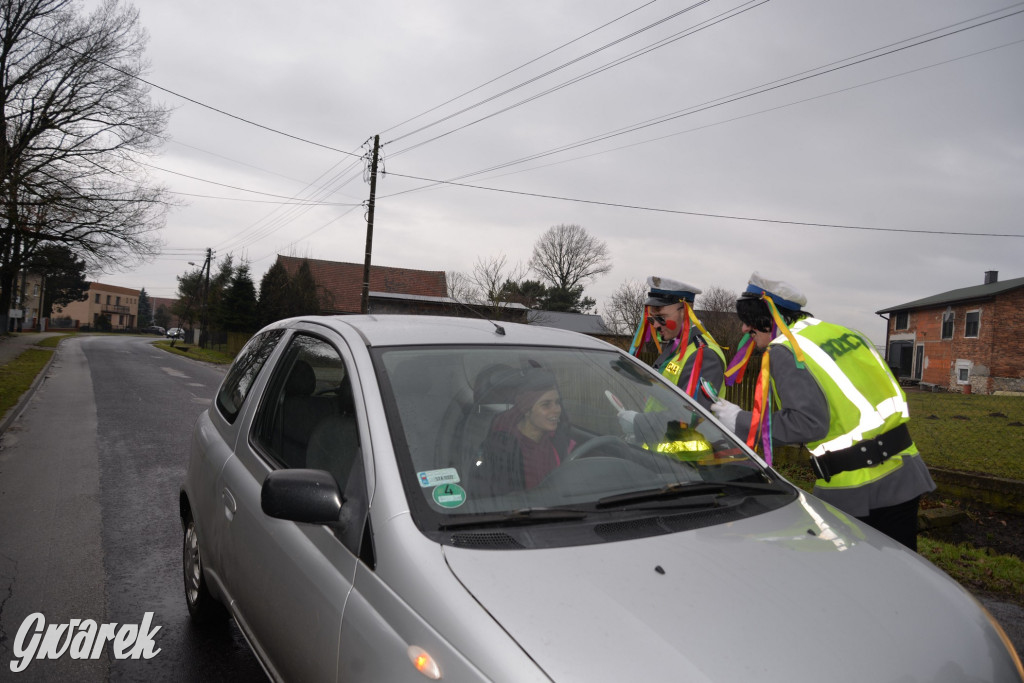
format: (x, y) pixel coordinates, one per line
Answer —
(202, 607)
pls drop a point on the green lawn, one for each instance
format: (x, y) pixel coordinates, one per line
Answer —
(981, 434)
(17, 376)
(199, 353)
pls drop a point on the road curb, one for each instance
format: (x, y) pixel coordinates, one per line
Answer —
(15, 412)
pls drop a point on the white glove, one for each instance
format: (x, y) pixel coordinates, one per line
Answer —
(626, 418)
(726, 413)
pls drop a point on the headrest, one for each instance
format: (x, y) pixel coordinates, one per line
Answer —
(301, 381)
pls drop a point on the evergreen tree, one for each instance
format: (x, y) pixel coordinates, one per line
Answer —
(145, 317)
(238, 303)
(275, 294)
(189, 306)
(568, 300)
(162, 317)
(64, 276)
(304, 296)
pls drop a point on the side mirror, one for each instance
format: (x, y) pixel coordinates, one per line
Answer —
(309, 496)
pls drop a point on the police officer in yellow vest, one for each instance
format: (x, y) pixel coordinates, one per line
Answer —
(688, 355)
(670, 307)
(827, 387)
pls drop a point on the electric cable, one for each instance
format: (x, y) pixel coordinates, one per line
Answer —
(707, 215)
(521, 66)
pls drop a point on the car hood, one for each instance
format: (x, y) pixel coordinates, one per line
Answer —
(796, 594)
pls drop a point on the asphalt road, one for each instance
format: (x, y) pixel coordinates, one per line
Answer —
(89, 480)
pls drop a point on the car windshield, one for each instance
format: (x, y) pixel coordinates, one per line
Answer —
(549, 444)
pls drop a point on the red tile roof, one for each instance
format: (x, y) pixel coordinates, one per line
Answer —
(343, 282)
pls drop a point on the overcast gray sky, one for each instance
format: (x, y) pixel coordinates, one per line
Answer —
(924, 140)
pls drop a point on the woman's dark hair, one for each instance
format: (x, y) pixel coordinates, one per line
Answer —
(753, 312)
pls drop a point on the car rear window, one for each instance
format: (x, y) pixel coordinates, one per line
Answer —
(247, 366)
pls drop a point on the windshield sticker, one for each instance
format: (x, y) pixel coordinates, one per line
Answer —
(432, 478)
(449, 495)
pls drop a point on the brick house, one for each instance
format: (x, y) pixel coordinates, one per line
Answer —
(966, 340)
(391, 290)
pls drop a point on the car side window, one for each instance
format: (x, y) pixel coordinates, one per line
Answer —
(308, 420)
(247, 365)
(308, 416)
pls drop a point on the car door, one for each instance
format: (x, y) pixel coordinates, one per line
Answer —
(289, 581)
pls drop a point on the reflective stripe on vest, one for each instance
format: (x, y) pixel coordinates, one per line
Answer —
(853, 417)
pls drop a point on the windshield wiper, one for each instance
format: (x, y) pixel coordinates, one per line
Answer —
(701, 494)
(520, 517)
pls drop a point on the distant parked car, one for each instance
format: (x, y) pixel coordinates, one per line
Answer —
(176, 333)
(154, 329)
(403, 498)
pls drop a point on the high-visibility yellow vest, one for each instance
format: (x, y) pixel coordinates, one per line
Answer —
(674, 368)
(864, 398)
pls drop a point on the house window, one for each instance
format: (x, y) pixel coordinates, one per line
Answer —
(972, 324)
(963, 371)
(948, 318)
(902, 320)
(118, 301)
(97, 298)
(108, 299)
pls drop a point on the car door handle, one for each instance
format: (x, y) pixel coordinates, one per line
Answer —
(230, 506)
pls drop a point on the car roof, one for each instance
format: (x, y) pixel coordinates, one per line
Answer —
(403, 330)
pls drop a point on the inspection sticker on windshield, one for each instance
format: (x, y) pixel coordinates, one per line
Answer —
(449, 495)
(448, 475)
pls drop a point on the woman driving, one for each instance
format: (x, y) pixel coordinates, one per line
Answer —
(528, 441)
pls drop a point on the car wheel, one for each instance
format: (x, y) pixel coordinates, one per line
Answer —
(202, 607)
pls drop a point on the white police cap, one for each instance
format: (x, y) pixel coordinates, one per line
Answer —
(782, 293)
(663, 291)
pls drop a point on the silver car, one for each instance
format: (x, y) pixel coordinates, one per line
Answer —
(405, 498)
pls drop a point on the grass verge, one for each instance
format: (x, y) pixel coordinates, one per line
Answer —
(977, 569)
(51, 342)
(17, 376)
(196, 352)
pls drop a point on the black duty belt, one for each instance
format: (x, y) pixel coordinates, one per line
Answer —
(865, 453)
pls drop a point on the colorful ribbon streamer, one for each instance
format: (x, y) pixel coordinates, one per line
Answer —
(738, 365)
(761, 417)
(644, 333)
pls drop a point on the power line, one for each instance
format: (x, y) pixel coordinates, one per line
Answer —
(251, 234)
(724, 121)
(564, 65)
(221, 184)
(151, 84)
(521, 66)
(696, 28)
(705, 215)
(260, 201)
(750, 92)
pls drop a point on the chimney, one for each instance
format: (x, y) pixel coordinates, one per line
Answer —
(991, 276)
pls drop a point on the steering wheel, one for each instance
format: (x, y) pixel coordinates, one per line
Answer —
(594, 443)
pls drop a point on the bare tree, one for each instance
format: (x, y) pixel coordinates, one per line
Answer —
(716, 308)
(76, 117)
(567, 257)
(493, 282)
(625, 307)
(460, 287)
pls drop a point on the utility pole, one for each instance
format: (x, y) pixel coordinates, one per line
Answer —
(364, 305)
(203, 334)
